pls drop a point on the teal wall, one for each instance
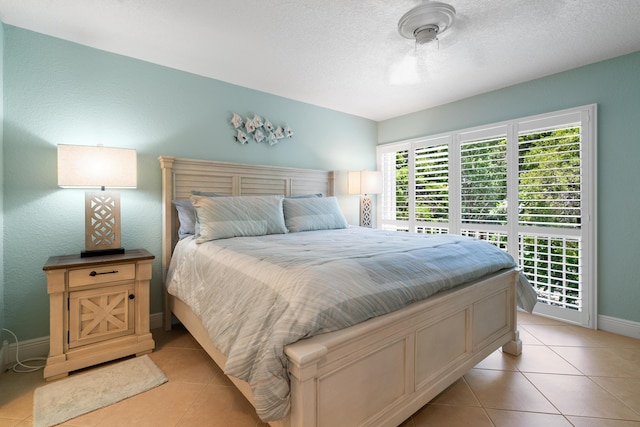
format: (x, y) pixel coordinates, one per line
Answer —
(615, 86)
(57, 92)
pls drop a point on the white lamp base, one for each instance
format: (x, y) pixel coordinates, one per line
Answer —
(366, 212)
(102, 223)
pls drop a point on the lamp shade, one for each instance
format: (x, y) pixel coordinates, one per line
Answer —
(365, 182)
(85, 166)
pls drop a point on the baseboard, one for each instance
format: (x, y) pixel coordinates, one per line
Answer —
(155, 321)
(39, 347)
(619, 326)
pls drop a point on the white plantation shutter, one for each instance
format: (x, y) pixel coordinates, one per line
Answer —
(551, 211)
(553, 265)
(526, 186)
(431, 184)
(484, 185)
(484, 181)
(394, 200)
(549, 176)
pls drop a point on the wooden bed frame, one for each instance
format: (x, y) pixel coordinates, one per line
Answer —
(378, 372)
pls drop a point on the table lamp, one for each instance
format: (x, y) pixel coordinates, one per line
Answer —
(365, 182)
(81, 166)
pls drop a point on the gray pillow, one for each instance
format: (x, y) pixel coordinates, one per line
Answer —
(314, 213)
(186, 218)
(224, 217)
(187, 214)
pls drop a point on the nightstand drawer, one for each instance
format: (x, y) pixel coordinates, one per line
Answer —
(101, 274)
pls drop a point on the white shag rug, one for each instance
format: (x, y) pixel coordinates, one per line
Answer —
(62, 400)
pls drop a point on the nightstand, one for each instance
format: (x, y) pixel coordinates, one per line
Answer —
(99, 309)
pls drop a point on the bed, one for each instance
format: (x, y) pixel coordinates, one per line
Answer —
(376, 372)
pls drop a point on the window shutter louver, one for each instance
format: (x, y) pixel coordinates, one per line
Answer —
(484, 181)
(395, 194)
(432, 183)
(549, 178)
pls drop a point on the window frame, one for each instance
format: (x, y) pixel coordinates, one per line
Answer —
(586, 116)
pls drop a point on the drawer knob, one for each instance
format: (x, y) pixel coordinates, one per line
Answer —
(131, 296)
(95, 273)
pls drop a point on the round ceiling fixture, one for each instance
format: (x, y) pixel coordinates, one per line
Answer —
(425, 22)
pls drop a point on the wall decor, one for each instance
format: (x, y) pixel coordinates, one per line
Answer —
(259, 129)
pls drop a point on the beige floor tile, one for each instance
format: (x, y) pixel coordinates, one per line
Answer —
(600, 422)
(451, 416)
(162, 406)
(16, 393)
(600, 361)
(507, 390)
(176, 337)
(186, 365)
(555, 334)
(8, 422)
(457, 394)
(608, 339)
(580, 396)
(625, 389)
(535, 358)
(571, 335)
(526, 419)
(527, 338)
(175, 397)
(220, 406)
(525, 318)
(499, 361)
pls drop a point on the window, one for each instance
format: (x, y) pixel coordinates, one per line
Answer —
(526, 186)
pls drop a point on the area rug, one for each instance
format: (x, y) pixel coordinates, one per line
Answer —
(62, 400)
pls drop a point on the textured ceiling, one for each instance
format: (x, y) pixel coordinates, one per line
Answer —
(345, 55)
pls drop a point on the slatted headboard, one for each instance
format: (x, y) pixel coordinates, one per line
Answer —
(181, 176)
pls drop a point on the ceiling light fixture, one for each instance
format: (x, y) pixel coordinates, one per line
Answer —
(424, 23)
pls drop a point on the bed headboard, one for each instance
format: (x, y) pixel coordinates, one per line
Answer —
(181, 176)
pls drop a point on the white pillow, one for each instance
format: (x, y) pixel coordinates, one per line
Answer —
(313, 213)
(224, 217)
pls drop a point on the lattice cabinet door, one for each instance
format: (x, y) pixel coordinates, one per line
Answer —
(100, 314)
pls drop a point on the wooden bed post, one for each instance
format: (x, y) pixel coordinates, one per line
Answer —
(166, 164)
(303, 380)
(514, 347)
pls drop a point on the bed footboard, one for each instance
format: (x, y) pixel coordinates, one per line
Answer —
(404, 359)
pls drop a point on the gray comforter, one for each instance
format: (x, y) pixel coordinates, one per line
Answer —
(255, 295)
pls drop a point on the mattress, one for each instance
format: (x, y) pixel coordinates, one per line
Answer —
(255, 295)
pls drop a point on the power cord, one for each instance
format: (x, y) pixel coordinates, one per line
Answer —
(20, 366)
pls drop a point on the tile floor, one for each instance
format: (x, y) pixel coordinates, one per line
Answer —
(566, 376)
